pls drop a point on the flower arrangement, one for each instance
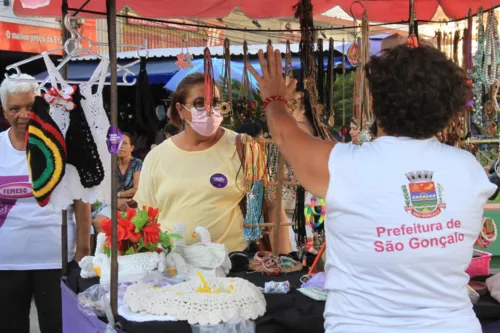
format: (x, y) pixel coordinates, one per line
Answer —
(138, 231)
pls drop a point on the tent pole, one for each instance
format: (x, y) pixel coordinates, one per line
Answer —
(64, 213)
(111, 22)
(412, 17)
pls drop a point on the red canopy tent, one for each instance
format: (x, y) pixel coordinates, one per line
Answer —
(378, 10)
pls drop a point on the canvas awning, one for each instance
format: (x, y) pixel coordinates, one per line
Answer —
(379, 10)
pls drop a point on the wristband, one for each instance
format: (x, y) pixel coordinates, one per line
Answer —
(271, 99)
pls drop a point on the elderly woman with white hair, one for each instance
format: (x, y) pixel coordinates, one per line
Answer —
(30, 235)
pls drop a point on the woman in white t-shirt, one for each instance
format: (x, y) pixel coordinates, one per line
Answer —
(30, 236)
(403, 211)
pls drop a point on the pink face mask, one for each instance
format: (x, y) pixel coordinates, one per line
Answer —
(203, 124)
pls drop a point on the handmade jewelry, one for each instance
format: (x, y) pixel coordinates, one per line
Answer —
(271, 99)
(488, 233)
(209, 81)
(310, 212)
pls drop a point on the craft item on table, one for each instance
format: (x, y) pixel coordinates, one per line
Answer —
(45, 151)
(239, 261)
(493, 284)
(479, 287)
(488, 233)
(82, 149)
(317, 280)
(141, 247)
(275, 287)
(266, 263)
(204, 301)
(314, 293)
(473, 295)
(233, 326)
(209, 258)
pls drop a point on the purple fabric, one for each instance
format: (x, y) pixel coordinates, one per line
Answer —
(318, 280)
(76, 321)
(492, 328)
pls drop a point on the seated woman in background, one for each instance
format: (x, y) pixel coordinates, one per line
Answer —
(129, 170)
(196, 176)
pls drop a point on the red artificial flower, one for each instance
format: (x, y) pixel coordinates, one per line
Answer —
(106, 226)
(152, 213)
(129, 227)
(151, 233)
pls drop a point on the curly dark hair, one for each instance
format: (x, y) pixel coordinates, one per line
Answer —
(416, 91)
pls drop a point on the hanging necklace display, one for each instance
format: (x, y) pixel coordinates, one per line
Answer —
(303, 12)
(226, 107)
(320, 67)
(366, 119)
(209, 81)
(343, 130)
(477, 74)
(315, 213)
(491, 65)
(438, 36)
(256, 176)
(330, 111)
(456, 40)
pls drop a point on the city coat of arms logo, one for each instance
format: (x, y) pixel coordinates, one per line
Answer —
(423, 198)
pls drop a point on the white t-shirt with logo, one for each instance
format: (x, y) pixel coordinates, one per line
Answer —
(402, 218)
(30, 236)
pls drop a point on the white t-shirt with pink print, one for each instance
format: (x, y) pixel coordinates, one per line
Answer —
(402, 218)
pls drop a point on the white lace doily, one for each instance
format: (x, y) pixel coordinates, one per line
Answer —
(230, 298)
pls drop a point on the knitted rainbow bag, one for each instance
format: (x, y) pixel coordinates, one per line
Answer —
(46, 152)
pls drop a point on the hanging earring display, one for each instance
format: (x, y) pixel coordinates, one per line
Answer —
(184, 60)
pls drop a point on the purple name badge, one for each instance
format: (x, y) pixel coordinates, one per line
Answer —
(218, 180)
(114, 140)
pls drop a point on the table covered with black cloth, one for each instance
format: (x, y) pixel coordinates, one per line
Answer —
(286, 313)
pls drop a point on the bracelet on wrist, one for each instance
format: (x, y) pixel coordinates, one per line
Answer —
(271, 99)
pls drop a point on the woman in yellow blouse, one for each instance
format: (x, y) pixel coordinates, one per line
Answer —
(194, 177)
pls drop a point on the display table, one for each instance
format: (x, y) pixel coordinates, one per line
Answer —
(286, 313)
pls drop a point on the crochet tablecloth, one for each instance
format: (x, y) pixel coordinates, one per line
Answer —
(286, 313)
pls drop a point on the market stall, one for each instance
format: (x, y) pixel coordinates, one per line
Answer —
(282, 307)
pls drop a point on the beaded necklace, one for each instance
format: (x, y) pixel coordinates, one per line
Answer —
(477, 74)
(491, 65)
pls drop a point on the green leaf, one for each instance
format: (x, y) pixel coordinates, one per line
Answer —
(130, 251)
(107, 251)
(140, 220)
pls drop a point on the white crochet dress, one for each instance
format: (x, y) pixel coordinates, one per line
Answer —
(70, 187)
